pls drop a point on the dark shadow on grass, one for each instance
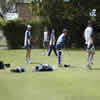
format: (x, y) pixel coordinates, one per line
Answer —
(35, 63)
(96, 69)
(73, 67)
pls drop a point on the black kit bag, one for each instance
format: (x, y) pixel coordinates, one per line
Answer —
(43, 67)
(1, 65)
(18, 70)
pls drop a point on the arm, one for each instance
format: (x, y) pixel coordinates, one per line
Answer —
(25, 39)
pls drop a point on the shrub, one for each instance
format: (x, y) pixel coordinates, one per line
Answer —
(14, 32)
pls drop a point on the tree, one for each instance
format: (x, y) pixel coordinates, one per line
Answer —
(54, 11)
(7, 5)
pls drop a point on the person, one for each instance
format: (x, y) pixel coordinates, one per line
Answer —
(60, 45)
(45, 40)
(52, 43)
(27, 44)
(89, 38)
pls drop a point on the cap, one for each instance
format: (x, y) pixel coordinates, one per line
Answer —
(53, 30)
(29, 26)
(65, 30)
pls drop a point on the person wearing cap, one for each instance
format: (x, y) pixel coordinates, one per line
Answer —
(52, 43)
(60, 45)
(27, 44)
(89, 38)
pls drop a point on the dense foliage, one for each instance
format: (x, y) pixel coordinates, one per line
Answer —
(58, 14)
(14, 32)
(73, 15)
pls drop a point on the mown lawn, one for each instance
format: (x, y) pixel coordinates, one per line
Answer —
(74, 83)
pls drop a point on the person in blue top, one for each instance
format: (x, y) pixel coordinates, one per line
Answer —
(52, 43)
(60, 45)
(27, 44)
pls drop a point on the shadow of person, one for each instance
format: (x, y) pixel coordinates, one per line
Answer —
(35, 63)
(96, 69)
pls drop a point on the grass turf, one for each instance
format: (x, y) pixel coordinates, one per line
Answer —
(74, 83)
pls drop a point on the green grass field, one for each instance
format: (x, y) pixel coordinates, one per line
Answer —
(74, 83)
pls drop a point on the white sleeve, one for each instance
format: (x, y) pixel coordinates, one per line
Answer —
(86, 35)
(25, 39)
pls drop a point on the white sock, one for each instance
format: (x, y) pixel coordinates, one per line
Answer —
(59, 57)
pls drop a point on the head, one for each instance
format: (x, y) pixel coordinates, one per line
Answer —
(29, 27)
(65, 31)
(53, 31)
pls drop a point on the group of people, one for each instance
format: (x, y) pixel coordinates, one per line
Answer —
(53, 45)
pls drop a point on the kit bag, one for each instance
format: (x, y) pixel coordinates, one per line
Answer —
(43, 67)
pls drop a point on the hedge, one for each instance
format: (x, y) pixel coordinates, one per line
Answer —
(14, 32)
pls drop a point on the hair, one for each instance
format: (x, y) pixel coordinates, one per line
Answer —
(65, 30)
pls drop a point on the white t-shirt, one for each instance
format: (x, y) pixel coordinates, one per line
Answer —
(45, 36)
(27, 38)
(61, 39)
(87, 35)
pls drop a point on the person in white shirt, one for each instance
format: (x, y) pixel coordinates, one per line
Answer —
(60, 45)
(52, 43)
(89, 37)
(45, 40)
(27, 44)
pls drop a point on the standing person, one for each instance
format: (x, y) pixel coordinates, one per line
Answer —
(60, 45)
(45, 40)
(27, 44)
(52, 43)
(89, 36)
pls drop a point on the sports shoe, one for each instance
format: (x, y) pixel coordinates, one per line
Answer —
(26, 61)
(89, 66)
(30, 61)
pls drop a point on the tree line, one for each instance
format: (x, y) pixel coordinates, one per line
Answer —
(72, 15)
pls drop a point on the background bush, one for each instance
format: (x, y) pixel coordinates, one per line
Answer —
(14, 32)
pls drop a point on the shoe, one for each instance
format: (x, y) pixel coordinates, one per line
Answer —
(30, 61)
(89, 66)
(26, 61)
(67, 65)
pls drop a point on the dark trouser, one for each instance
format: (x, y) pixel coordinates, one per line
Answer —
(59, 57)
(52, 47)
(59, 47)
